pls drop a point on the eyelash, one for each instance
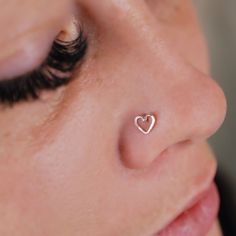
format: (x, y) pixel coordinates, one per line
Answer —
(57, 70)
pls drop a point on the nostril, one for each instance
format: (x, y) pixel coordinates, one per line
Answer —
(179, 145)
(184, 143)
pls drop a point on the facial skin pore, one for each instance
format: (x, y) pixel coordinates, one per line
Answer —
(72, 162)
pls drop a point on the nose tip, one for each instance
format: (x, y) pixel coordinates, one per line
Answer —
(210, 110)
(199, 110)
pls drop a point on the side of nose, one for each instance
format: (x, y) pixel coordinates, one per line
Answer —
(189, 107)
(188, 104)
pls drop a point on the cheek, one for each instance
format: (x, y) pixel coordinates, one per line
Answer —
(23, 124)
(68, 186)
(63, 194)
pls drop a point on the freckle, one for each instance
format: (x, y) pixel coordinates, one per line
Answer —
(6, 135)
(177, 7)
(95, 56)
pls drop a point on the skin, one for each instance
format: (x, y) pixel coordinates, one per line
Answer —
(72, 163)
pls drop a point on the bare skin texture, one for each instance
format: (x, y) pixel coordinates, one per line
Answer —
(72, 163)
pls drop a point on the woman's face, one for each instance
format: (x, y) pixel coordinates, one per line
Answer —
(72, 161)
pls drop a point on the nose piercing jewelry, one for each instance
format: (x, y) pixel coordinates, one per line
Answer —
(145, 123)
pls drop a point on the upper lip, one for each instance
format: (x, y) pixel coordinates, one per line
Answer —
(194, 200)
(199, 194)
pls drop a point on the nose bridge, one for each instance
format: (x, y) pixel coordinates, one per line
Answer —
(128, 20)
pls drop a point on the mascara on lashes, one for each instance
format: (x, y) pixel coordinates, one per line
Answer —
(55, 71)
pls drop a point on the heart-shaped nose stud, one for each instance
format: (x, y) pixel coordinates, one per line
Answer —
(145, 123)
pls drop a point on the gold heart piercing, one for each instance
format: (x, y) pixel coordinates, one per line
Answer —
(145, 123)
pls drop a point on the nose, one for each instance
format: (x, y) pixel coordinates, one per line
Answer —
(189, 106)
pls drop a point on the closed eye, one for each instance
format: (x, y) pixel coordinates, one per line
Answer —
(57, 70)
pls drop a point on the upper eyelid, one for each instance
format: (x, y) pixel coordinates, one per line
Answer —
(29, 48)
(57, 70)
(27, 57)
(44, 58)
(34, 19)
